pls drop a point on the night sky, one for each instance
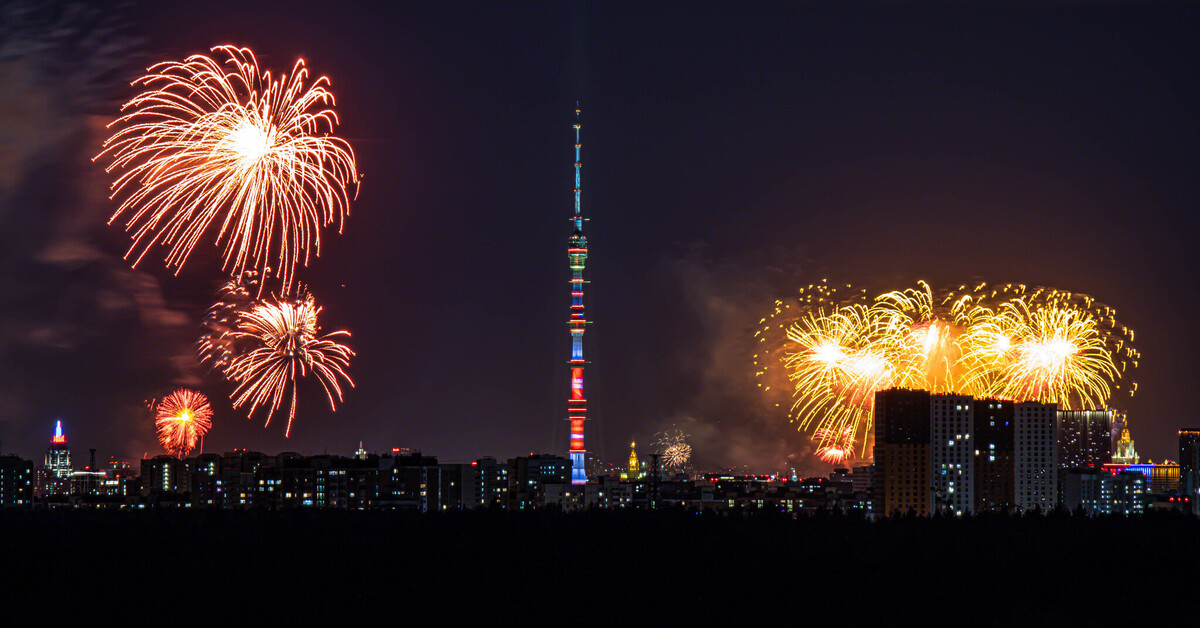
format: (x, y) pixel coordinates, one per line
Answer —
(731, 155)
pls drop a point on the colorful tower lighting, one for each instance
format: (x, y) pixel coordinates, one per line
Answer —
(59, 438)
(576, 403)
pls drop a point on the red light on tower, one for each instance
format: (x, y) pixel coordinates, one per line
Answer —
(59, 438)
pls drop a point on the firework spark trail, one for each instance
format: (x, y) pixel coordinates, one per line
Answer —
(837, 445)
(284, 346)
(1006, 342)
(225, 144)
(181, 419)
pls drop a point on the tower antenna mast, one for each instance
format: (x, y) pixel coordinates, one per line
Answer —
(577, 403)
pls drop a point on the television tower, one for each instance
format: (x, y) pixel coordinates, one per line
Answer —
(576, 403)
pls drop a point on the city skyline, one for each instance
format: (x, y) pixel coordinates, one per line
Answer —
(734, 156)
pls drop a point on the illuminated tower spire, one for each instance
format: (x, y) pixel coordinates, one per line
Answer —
(576, 403)
(58, 455)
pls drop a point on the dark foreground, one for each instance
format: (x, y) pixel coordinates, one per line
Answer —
(232, 568)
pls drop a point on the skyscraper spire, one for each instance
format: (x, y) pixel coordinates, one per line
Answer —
(576, 403)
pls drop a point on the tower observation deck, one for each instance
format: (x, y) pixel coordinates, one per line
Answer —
(577, 403)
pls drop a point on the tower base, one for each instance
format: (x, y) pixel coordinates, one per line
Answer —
(578, 472)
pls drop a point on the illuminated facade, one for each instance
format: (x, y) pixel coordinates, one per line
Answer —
(1126, 453)
(58, 455)
(634, 470)
(1164, 478)
(1084, 438)
(576, 402)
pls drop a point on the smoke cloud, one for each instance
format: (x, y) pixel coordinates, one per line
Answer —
(81, 333)
(732, 421)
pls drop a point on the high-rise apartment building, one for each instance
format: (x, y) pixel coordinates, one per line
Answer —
(902, 452)
(1084, 438)
(993, 449)
(951, 452)
(1035, 457)
(1189, 461)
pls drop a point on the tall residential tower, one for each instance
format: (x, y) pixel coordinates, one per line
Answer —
(576, 403)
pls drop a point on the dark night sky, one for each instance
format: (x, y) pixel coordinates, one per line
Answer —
(731, 154)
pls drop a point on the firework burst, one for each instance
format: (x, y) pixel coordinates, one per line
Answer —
(181, 419)
(837, 348)
(283, 344)
(673, 446)
(222, 150)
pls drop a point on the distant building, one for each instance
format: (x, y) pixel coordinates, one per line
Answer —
(1084, 438)
(120, 481)
(1189, 463)
(1035, 456)
(45, 483)
(58, 455)
(529, 476)
(902, 452)
(164, 476)
(1113, 489)
(1120, 421)
(1125, 453)
(1164, 478)
(1123, 493)
(409, 482)
(205, 482)
(16, 481)
(1082, 490)
(485, 484)
(861, 478)
(634, 469)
